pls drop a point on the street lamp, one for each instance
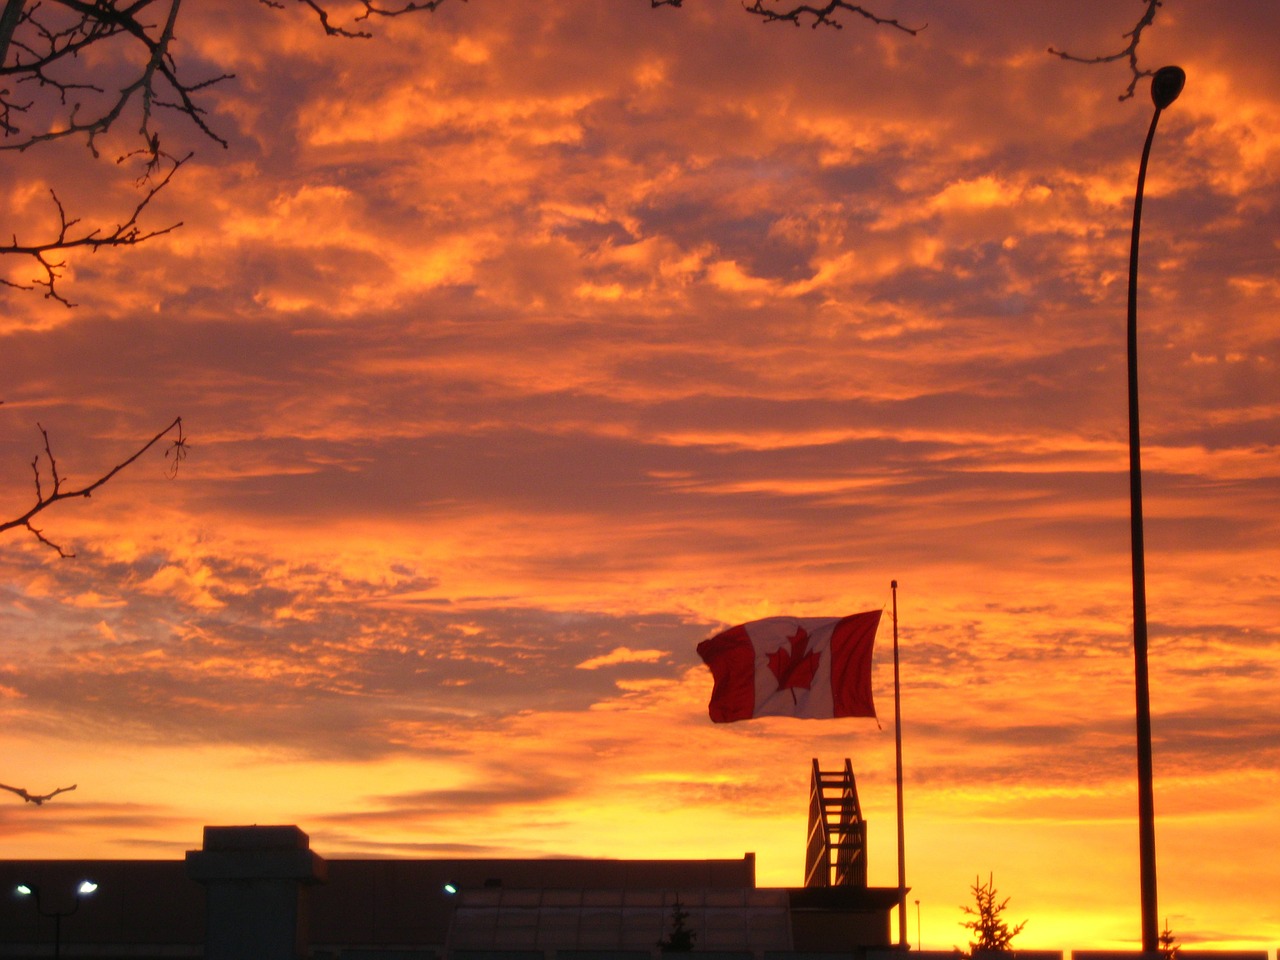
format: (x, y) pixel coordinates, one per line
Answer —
(85, 888)
(1166, 84)
(919, 942)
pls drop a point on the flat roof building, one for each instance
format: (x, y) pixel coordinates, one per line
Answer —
(261, 892)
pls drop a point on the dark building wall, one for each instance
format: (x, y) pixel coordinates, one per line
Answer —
(364, 903)
(257, 884)
(826, 918)
(144, 902)
(403, 901)
(819, 932)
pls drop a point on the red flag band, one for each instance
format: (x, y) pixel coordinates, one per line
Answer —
(808, 667)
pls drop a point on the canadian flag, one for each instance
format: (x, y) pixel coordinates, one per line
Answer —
(808, 667)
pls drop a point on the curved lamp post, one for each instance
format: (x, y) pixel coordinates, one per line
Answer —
(1166, 84)
(85, 888)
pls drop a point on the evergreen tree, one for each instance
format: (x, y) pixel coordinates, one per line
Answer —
(681, 937)
(991, 933)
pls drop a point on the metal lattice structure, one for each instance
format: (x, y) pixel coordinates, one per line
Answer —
(836, 854)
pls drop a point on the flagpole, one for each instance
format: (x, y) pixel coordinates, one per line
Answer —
(897, 740)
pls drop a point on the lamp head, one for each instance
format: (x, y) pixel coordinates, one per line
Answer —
(24, 890)
(86, 887)
(1166, 84)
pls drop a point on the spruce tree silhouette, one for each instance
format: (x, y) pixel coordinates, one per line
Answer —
(992, 934)
(681, 938)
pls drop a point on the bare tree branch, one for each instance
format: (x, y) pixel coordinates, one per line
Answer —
(371, 9)
(126, 234)
(41, 47)
(48, 54)
(46, 498)
(1130, 52)
(37, 798)
(823, 15)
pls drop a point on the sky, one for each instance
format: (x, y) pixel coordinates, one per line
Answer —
(524, 346)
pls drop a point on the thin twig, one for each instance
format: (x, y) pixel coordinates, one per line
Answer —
(1130, 51)
(44, 499)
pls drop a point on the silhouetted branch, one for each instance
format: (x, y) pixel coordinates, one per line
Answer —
(1130, 52)
(43, 52)
(49, 38)
(126, 234)
(371, 9)
(45, 499)
(37, 798)
(821, 15)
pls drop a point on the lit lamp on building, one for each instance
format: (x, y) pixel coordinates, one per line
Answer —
(85, 888)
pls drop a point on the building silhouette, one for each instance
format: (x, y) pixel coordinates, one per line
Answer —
(262, 893)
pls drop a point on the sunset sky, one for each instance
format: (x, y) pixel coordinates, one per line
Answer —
(525, 345)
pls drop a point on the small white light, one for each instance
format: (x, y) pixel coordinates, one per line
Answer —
(450, 889)
(87, 886)
(24, 890)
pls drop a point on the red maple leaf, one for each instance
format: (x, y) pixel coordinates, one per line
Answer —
(794, 667)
